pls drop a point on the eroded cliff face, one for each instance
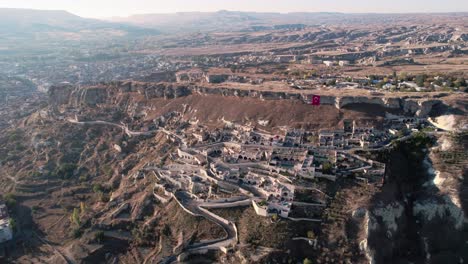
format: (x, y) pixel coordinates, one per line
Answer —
(419, 216)
(59, 95)
(127, 93)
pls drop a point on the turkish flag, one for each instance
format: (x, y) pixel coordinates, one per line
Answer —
(315, 100)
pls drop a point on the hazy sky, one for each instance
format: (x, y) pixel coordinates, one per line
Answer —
(108, 8)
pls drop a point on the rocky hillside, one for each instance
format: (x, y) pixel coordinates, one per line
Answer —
(141, 93)
(81, 191)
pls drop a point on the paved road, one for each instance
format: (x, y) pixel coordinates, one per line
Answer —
(194, 207)
(123, 127)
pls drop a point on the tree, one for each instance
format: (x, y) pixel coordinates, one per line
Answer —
(438, 82)
(331, 82)
(97, 188)
(76, 233)
(104, 197)
(307, 261)
(327, 167)
(420, 79)
(233, 67)
(274, 217)
(75, 217)
(460, 82)
(13, 224)
(310, 234)
(99, 236)
(403, 76)
(10, 200)
(65, 171)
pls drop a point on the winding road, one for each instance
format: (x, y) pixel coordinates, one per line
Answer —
(196, 208)
(123, 127)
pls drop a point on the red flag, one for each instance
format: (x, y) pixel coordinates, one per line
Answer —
(315, 100)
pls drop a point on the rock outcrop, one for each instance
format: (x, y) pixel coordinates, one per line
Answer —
(116, 92)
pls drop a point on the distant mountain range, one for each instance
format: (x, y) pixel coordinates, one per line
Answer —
(233, 20)
(21, 23)
(27, 22)
(225, 20)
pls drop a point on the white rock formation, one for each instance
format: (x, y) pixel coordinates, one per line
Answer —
(429, 209)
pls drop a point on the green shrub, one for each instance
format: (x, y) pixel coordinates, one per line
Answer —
(104, 197)
(99, 237)
(327, 168)
(10, 200)
(76, 233)
(75, 217)
(65, 171)
(13, 224)
(34, 209)
(97, 188)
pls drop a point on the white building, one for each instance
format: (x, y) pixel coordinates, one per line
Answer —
(191, 158)
(343, 63)
(285, 58)
(362, 127)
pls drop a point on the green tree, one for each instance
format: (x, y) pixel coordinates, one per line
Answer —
(380, 84)
(460, 82)
(331, 82)
(13, 224)
(310, 234)
(420, 79)
(65, 171)
(97, 188)
(75, 217)
(274, 217)
(403, 76)
(327, 167)
(10, 200)
(104, 197)
(76, 233)
(99, 236)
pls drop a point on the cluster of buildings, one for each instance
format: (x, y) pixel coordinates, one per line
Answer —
(341, 63)
(363, 134)
(215, 75)
(242, 160)
(92, 69)
(355, 133)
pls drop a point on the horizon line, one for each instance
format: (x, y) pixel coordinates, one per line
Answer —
(260, 12)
